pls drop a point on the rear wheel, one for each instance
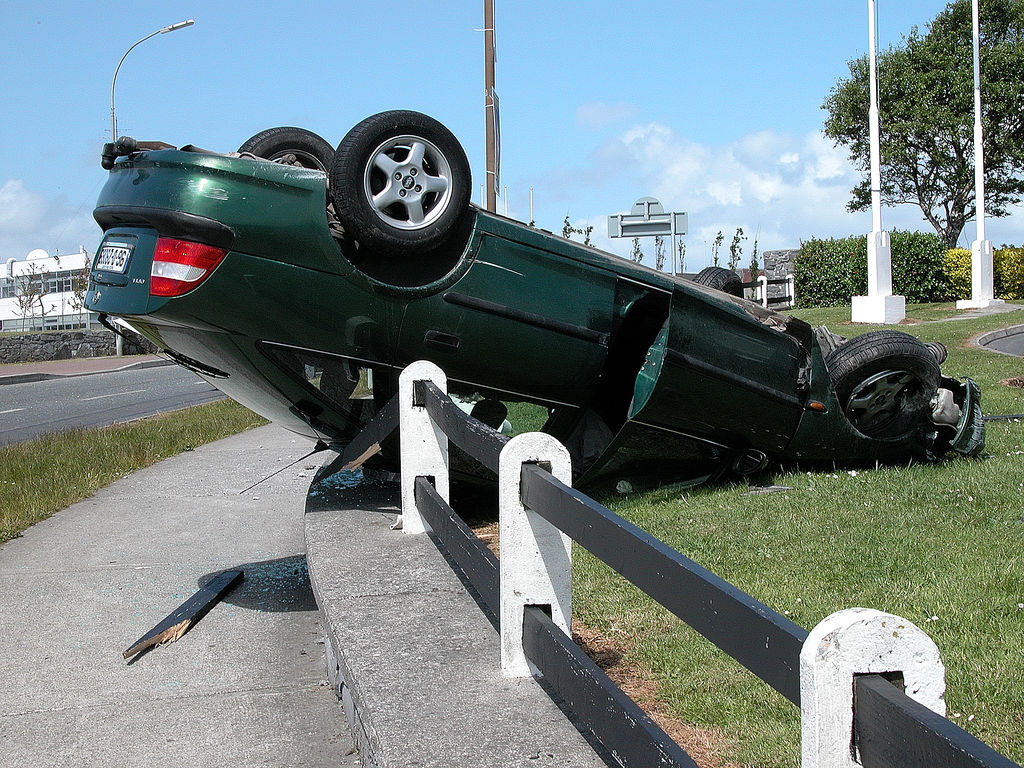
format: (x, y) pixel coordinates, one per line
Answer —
(291, 146)
(721, 279)
(885, 381)
(400, 180)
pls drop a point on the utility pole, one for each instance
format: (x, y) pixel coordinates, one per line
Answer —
(490, 108)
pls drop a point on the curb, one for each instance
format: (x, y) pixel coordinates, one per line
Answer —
(986, 339)
(24, 378)
(411, 654)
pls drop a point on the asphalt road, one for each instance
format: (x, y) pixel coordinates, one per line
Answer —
(1011, 345)
(56, 405)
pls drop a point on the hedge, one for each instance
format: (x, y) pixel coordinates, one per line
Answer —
(1007, 273)
(829, 272)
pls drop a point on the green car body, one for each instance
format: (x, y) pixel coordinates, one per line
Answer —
(648, 377)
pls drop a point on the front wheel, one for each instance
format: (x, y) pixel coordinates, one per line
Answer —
(400, 180)
(885, 381)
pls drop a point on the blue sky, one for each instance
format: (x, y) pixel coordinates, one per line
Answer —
(713, 107)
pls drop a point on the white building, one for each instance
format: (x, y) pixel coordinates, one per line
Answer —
(44, 292)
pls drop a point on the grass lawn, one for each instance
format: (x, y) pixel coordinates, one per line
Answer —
(941, 545)
(43, 476)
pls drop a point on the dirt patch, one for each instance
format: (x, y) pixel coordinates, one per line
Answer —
(704, 745)
(1016, 381)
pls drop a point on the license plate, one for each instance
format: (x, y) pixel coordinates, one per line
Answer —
(114, 257)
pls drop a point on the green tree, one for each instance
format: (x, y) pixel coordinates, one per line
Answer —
(79, 287)
(719, 238)
(637, 255)
(926, 106)
(755, 266)
(659, 253)
(735, 249)
(681, 248)
(568, 230)
(29, 290)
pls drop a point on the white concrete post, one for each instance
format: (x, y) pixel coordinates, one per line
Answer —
(851, 642)
(424, 447)
(762, 286)
(536, 557)
(791, 287)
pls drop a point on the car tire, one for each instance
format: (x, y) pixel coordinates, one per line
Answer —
(885, 381)
(291, 146)
(721, 279)
(400, 180)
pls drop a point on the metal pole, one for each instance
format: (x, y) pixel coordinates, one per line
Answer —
(873, 129)
(982, 282)
(879, 306)
(491, 181)
(161, 31)
(979, 151)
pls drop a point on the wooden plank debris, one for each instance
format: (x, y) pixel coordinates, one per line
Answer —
(187, 614)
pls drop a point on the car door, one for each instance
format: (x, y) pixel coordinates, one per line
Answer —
(523, 320)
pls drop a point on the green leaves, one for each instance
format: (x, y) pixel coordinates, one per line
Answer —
(926, 105)
(829, 272)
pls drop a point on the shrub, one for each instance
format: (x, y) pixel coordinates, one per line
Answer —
(829, 272)
(1008, 273)
(917, 267)
(956, 265)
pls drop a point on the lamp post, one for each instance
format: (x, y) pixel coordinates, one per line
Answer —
(161, 31)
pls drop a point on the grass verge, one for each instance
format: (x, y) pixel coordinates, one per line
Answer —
(941, 545)
(40, 477)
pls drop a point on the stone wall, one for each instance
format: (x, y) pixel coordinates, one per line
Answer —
(778, 264)
(64, 345)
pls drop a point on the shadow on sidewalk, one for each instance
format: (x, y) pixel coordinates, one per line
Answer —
(275, 586)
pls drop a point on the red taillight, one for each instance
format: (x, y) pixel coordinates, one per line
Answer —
(179, 266)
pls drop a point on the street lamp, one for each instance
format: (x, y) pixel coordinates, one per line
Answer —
(161, 31)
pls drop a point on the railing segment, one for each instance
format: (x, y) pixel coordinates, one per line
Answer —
(846, 674)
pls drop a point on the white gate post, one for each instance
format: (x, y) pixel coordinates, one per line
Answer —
(536, 558)
(424, 447)
(848, 643)
(762, 285)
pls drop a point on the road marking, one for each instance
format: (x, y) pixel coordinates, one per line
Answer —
(113, 394)
(12, 410)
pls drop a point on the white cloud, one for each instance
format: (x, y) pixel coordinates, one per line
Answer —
(595, 115)
(779, 187)
(30, 220)
(726, 192)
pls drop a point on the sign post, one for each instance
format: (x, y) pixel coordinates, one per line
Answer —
(648, 218)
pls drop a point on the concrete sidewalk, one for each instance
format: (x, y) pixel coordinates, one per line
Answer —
(18, 373)
(245, 687)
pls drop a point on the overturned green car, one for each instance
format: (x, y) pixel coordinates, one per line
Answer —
(300, 280)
